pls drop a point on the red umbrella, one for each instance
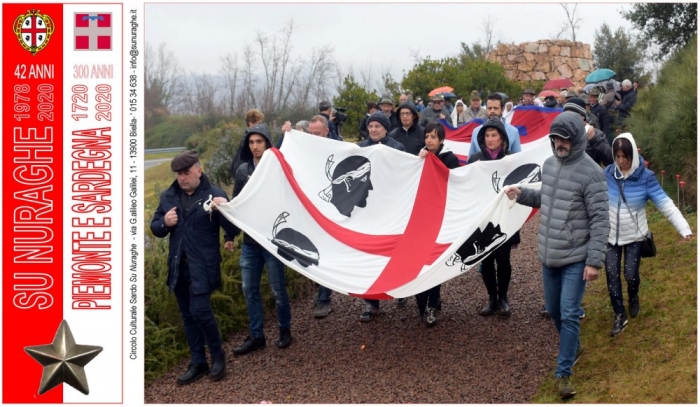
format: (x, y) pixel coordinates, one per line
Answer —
(560, 83)
(546, 93)
(440, 90)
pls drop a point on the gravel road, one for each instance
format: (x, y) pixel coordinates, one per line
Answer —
(466, 358)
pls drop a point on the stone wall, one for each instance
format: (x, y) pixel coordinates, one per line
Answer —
(544, 60)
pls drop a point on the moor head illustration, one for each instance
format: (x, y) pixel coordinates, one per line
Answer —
(350, 183)
(292, 245)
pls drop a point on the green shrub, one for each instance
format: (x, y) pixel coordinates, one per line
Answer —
(664, 123)
(173, 131)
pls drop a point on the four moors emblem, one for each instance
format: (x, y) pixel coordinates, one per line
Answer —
(33, 30)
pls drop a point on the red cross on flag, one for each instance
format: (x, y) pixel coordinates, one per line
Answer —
(379, 223)
(93, 31)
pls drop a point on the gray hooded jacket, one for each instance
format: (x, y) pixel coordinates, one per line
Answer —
(573, 202)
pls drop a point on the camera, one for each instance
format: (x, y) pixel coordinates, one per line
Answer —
(340, 115)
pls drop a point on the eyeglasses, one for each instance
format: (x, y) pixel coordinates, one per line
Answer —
(406, 114)
(435, 102)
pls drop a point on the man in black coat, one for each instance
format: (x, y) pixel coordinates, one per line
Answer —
(409, 133)
(600, 112)
(194, 260)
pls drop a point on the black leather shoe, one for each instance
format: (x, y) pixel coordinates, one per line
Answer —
(491, 307)
(634, 306)
(218, 367)
(505, 307)
(193, 373)
(285, 338)
(249, 345)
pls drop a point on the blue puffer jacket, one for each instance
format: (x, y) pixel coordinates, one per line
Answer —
(629, 225)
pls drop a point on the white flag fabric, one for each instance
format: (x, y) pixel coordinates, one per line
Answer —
(376, 222)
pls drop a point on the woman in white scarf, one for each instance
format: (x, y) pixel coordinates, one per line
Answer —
(457, 117)
(508, 112)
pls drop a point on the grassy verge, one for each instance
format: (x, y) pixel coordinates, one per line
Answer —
(655, 359)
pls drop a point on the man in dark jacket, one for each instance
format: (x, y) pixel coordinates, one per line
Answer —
(624, 107)
(325, 108)
(409, 133)
(435, 112)
(254, 256)
(597, 146)
(371, 108)
(599, 111)
(386, 106)
(572, 236)
(194, 260)
(378, 127)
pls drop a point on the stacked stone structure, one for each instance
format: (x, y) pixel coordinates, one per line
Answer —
(545, 60)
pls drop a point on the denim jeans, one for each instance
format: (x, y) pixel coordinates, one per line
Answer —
(198, 318)
(323, 294)
(253, 257)
(563, 291)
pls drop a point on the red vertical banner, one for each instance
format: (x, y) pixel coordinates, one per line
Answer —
(32, 218)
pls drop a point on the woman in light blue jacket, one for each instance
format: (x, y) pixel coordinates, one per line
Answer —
(628, 223)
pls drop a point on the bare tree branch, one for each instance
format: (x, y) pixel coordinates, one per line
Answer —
(574, 21)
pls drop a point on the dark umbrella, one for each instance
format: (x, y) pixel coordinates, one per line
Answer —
(600, 75)
(449, 95)
(503, 95)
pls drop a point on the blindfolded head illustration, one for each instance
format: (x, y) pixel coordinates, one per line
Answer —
(350, 183)
(292, 245)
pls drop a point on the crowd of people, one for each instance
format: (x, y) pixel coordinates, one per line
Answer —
(591, 204)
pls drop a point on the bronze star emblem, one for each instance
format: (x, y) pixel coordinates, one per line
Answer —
(63, 360)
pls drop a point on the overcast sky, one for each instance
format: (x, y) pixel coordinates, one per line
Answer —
(378, 35)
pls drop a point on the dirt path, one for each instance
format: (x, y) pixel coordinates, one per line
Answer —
(466, 358)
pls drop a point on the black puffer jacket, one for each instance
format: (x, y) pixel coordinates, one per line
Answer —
(447, 157)
(195, 236)
(387, 141)
(413, 138)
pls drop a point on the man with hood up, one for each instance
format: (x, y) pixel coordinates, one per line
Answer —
(409, 133)
(572, 236)
(254, 256)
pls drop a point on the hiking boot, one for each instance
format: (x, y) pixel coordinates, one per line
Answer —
(579, 353)
(634, 306)
(218, 367)
(401, 301)
(566, 389)
(285, 338)
(491, 307)
(193, 373)
(322, 310)
(369, 312)
(250, 344)
(431, 317)
(619, 324)
(505, 307)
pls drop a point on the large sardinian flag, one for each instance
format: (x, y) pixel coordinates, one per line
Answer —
(532, 123)
(376, 222)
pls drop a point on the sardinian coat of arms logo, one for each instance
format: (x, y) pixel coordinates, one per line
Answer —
(33, 30)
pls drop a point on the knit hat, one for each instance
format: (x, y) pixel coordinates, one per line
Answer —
(576, 105)
(381, 118)
(184, 161)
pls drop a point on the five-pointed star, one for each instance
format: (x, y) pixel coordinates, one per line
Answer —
(63, 360)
